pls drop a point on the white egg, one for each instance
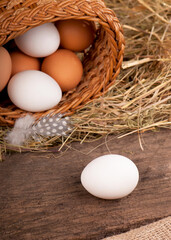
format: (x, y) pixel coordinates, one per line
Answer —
(39, 41)
(110, 177)
(34, 91)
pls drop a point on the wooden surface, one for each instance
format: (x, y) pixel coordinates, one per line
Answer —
(42, 197)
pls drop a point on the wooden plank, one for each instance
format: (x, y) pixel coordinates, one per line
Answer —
(42, 197)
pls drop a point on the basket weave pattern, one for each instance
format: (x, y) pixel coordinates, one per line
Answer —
(102, 62)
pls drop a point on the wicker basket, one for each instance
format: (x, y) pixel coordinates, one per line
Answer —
(101, 63)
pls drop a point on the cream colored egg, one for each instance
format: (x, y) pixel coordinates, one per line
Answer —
(110, 177)
(34, 91)
(40, 41)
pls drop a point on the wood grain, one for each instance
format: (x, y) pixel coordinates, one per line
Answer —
(42, 197)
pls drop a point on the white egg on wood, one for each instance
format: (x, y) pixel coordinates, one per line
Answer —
(34, 91)
(40, 41)
(110, 177)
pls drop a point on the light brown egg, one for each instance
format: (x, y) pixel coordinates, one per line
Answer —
(65, 67)
(22, 62)
(5, 67)
(76, 35)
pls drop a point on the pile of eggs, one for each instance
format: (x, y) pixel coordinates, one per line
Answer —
(45, 63)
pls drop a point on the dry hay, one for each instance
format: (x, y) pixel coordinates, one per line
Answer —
(140, 99)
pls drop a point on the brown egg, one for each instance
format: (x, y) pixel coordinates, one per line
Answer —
(65, 67)
(5, 67)
(76, 35)
(22, 62)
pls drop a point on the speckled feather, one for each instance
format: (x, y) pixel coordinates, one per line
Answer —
(49, 126)
(56, 125)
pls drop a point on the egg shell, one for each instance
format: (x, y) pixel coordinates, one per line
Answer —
(110, 177)
(5, 67)
(39, 41)
(22, 62)
(34, 91)
(76, 35)
(65, 67)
